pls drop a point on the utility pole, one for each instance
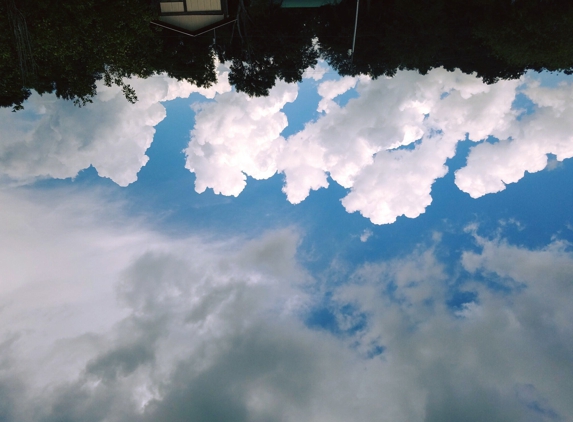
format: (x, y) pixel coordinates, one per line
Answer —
(355, 26)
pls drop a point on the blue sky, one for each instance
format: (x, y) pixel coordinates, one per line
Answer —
(397, 249)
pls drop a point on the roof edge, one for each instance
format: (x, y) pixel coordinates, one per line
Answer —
(194, 33)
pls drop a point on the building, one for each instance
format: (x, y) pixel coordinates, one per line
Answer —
(196, 17)
(193, 17)
(297, 4)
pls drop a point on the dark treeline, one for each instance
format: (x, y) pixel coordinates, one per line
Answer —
(66, 46)
(497, 39)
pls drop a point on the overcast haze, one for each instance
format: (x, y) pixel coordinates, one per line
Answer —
(345, 249)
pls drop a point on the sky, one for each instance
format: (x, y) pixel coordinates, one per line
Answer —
(345, 249)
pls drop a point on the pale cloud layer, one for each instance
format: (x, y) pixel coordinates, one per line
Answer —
(53, 138)
(389, 145)
(487, 361)
(105, 319)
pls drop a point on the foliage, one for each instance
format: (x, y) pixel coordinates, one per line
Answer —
(73, 44)
(66, 46)
(530, 33)
(272, 44)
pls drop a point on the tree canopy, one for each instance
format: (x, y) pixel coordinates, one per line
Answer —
(66, 46)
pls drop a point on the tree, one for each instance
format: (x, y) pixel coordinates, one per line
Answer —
(270, 44)
(66, 46)
(71, 45)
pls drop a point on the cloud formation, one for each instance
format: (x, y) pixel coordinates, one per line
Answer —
(116, 322)
(317, 72)
(524, 144)
(361, 146)
(501, 356)
(389, 145)
(53, 138)
(236, 136)
(91, 296)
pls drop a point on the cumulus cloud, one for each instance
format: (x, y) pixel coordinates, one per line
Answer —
(362, 145)
(329, 90)
(236, 136)
(389, 145)
(524, 144)
(317, 72)
(105, 319)
(53, 138)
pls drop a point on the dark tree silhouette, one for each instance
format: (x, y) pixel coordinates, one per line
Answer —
(66, 46)
(414, 35)
(268, 44)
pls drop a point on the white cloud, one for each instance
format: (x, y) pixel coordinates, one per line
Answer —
(524, 143)
(317, 72)
(356, 144)
(65, 259)
(540, 312)
(329, 90)
(60, 256)
(105, 319)
(362, 145)
(237, 136)
(201, 330)
(53, 138)
(503, 356)
(366, 234)
(399, 182)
